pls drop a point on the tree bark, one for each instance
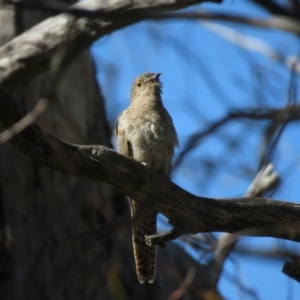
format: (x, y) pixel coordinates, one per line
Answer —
(46, 216)
(186, 212)
(57, 238)
(31, 53)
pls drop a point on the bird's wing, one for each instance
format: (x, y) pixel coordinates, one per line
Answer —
(124, 146)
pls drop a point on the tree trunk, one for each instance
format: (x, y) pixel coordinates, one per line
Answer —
(47, 216)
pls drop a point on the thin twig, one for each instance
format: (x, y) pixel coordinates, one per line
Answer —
(292, 113)
(263, 182)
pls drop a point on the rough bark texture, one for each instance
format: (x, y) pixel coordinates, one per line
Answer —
(36, 46)
(50, 222)
(186, 212)
(47, 215)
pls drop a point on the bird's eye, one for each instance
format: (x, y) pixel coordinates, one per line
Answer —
(138, 84)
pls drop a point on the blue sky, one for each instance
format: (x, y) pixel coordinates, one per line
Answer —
(205, 76)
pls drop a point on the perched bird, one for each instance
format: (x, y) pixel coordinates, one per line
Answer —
(145, 132)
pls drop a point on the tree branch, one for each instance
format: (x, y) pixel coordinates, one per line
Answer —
(290, 113)
(30, 53)
(265, 180)
(87, 21)
(292, 268)
(277, 9)
(186, 212)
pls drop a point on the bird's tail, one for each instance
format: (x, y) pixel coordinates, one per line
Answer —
(144, 255)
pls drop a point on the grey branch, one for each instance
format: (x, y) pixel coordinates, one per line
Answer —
(264, 181)
(186, 212)
(30, 53)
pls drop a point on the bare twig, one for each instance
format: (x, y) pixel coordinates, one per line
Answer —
(59, 64)
(279, 124)
(292, 113)
(185, 284)
(26, 121)
(263, 182)
(252, 43)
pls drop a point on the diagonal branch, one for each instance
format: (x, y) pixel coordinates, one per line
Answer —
(186, 212)
(290, 113)
(265, 180)
(292, 268)
(87, 21)
(30, 53)
(277, 9)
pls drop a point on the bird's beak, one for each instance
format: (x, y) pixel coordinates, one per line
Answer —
(156, 76)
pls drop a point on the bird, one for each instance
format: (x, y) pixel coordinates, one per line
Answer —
(145, 133)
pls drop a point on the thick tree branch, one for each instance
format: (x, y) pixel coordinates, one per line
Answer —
(186, 212)
(30, 53)
(87, 21)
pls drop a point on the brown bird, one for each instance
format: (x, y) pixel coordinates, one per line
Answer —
(145, 132)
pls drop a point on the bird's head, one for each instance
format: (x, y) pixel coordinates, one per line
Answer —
(146, 87)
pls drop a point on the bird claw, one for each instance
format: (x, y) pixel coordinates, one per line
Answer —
(148, 240)
(152, 240)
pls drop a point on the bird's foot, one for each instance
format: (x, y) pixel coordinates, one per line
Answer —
(162, 238)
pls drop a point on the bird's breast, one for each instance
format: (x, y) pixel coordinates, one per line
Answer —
(151, 141)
